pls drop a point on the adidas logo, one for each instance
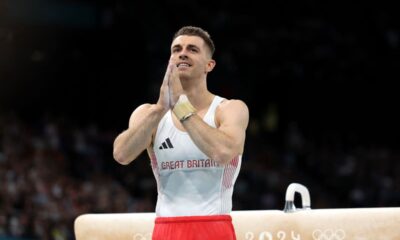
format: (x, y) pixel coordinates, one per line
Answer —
(166, 144)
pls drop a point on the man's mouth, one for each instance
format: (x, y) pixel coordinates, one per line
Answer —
(183, 65)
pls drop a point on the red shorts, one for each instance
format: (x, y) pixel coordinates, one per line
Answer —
(218, 227)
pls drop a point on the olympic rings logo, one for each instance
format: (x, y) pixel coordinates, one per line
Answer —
(139, 236)
(329, 234)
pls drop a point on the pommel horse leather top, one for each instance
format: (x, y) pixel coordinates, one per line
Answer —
(290, 224)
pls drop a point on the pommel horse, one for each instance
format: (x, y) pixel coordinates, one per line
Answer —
(290, 224)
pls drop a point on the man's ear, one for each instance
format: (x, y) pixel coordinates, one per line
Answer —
(210, 65)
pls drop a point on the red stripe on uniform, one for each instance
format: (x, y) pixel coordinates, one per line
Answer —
(229, 173)
(154, 166)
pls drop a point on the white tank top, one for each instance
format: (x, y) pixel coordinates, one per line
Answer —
(189, 183)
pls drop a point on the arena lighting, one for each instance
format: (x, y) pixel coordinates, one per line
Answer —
(290, 224)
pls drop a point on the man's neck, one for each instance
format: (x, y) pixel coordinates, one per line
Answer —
(198, 94)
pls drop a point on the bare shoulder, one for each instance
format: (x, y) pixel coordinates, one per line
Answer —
(139, 111)
(143, 107)
(233, 110)
(233, 105)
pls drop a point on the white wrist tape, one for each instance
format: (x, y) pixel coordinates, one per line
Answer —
(183, 109)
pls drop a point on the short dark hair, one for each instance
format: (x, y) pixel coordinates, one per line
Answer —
(197, 31)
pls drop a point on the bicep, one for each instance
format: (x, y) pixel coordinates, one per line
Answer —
(138, 113)
(138, 118)
(233, 118)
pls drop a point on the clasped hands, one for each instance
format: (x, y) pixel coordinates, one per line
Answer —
(172, 95)
(171, 87)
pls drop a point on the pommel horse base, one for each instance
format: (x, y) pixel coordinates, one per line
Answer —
(289, 224)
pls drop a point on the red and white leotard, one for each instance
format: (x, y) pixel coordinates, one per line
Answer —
(189, 183)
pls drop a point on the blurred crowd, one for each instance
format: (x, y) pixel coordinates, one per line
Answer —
(53, 170)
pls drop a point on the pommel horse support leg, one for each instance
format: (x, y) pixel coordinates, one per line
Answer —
(290, 224)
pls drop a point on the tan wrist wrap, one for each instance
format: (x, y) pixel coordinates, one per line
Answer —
(183, 109)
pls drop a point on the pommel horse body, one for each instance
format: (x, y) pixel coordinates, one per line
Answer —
(290, 224)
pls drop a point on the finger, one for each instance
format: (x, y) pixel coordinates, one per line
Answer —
(174, 78)
(172, 62)
(167, 76)
(173, 72)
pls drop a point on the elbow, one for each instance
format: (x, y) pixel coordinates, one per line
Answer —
(120, 153)
(120, 157)
(223, 156)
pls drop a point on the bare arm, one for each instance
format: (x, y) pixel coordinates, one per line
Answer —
(134, 140)
(221, 144)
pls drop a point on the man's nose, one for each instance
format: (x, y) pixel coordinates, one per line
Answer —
(182, 56)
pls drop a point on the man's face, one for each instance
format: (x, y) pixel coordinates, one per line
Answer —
(191, 56)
